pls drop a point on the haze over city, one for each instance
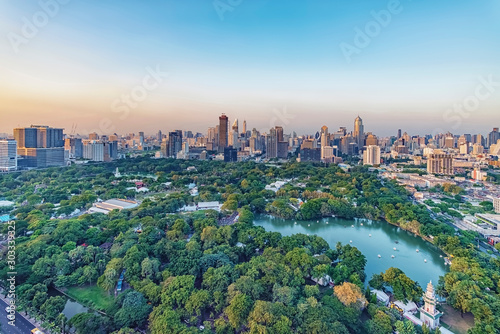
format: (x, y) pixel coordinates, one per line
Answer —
(248, 60)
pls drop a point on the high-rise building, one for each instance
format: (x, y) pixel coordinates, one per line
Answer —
(40, 146)
(325, 136)
(440, 164)
(74, 146)
(359, 133)
(230, 154)
(93, 136)
(174, 143)
(371, 139)
(399, 133)
(371, 155)
(223, 132)
(244, 129)
(493, 137)
(159, 136)
(8, 155)
(272, 144)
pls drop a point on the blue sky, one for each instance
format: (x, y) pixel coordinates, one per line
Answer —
(265, 55)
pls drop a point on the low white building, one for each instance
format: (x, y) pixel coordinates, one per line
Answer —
(381, 296)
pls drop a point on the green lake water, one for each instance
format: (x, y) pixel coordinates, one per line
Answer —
(372, 238)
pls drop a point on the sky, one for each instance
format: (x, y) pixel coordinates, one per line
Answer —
(128, 66)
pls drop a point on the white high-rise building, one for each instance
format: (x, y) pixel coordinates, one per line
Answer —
(93, 150)
(371, 156)
(8, 155)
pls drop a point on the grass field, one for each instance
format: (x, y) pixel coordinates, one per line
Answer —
(92, 296)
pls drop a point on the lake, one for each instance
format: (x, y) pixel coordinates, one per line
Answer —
(372, 238)
(72, 307)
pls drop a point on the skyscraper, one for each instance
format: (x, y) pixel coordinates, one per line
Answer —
(40, 146)
(325, 136)
(174, 143)
(371, 156)
(493, 137)
(223, 132)
(244, 129)
(359, 132)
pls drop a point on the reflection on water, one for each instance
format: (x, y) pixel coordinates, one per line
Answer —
(372, 238)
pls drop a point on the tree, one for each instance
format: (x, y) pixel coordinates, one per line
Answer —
(350, 295)
(238, 310)
(134, 310)
(52, 307)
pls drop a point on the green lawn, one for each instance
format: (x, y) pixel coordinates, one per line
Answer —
(92, 296)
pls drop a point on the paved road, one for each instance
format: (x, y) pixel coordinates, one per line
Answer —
(22, 326)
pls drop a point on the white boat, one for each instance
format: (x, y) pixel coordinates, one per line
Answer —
(352, 225)
(317, 221)
(394, 248)
(440, 255)
(392, 256)
(308, 224)
(350, 241)
(361, 224)
(327, 222)
(417, 250)
(295, 223)
(425, 260)
(369, 235)
(379, 256)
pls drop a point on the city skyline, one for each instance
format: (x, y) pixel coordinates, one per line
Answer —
(249, 61)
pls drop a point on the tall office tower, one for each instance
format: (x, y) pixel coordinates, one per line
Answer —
(8, 155)
(399, 133)
(461, 140)
(174, 143)
(493, 137)
(234, 135)
(223, 132)
(159, 136)
(371, 156)
(279, 133)
(164, 148)
(211, 134)
(371, 139)
(479, 139)
(93, 136)
(272, 144)
(440, 164)
(359, 132)
(74, 146)
(449, 142)
(327, 153)
(93, 150)
(325, 136)
(141, 138)
(40, 146)
(244, 129)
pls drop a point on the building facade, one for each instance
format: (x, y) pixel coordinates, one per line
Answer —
(8, 155)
